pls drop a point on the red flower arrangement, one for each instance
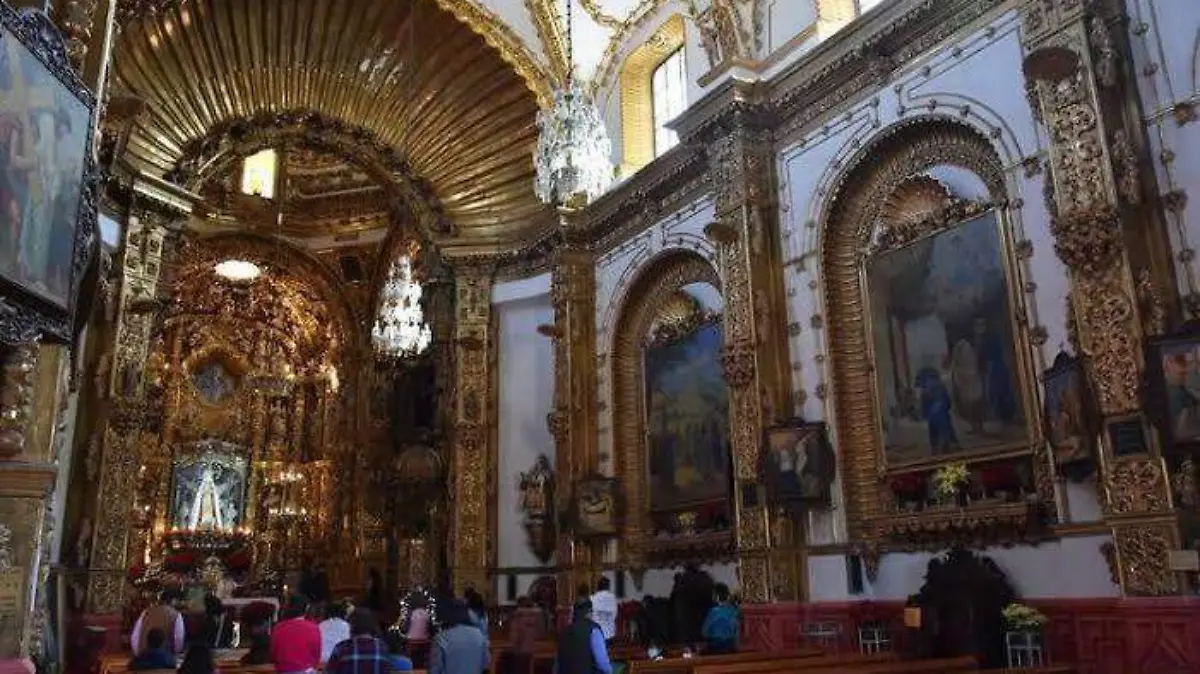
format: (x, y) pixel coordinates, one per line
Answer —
(238, 560)
(136, 573)
(996, 476)
(180, 562)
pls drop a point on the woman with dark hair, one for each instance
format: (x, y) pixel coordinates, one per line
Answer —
(477, 610)
(460, 646)
(198, 660)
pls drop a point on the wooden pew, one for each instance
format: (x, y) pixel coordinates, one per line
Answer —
(828, 665)
(688, 665)
(848, 662)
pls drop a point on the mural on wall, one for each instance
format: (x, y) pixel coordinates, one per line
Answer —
(687, 418)
(948, 379)
(44, 131)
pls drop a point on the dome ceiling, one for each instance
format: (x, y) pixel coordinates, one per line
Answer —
(463, 122)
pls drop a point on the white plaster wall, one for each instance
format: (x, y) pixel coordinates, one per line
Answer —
(526, 395)
(1165, 38)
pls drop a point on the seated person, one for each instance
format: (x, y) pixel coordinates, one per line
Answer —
(198, 659)
(397, 651)
(260, 645)
(334, 629)
(720, 629)
(155, 655)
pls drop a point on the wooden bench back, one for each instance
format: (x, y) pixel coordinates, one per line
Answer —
(689, 665)
(850, 661)
(926, 666)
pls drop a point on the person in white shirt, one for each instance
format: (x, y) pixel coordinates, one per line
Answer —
(162, 615)
(604, 609)
(334, 629)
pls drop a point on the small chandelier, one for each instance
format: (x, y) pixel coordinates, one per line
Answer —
(573, 152)
(400, 330)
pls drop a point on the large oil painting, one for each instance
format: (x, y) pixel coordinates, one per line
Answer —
(687, 419)
(946, 368)
(44, 131)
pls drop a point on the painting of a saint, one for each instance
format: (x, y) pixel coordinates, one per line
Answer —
(1069, 428)
(1179, 363)
(800, 463)
(43, 141)
(947, 371)
(688, 420)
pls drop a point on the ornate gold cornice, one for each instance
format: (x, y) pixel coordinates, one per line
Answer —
(550, 31)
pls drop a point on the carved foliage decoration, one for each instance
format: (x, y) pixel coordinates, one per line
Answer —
(857, 206)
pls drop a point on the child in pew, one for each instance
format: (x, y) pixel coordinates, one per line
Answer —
(720, 629)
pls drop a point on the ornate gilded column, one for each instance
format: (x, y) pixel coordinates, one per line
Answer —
(573, 420)
(1075, 86)
(473, 435)
(129, 423)
(755, 359)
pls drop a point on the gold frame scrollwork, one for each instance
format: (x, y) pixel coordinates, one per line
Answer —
(640, 306)
(900, 152)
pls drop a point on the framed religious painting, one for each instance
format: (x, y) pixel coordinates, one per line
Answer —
(799, 464)
(47, 198)
(597, 507)
(1173, 378)
(1070, 417)
(952, 369)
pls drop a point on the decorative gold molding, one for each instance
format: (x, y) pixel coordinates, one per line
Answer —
(637, 99)
(550, 31)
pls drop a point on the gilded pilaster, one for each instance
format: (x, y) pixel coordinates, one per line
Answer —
(472, 477)
(573, 420)
(1073, 81)
(129, 418)
(754, 357)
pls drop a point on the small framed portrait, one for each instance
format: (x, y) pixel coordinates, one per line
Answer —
(1069, 413)
(597, 507)
(1173, 378)
(799, 464)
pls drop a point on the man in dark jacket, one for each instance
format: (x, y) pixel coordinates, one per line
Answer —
(581, 647)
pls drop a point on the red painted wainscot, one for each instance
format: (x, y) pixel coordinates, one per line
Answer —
(1099, 636)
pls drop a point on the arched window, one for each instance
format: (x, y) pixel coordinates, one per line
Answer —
(259, 172)
(653, 92)
(669, 91)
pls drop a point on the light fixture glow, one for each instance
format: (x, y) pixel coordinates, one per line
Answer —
(400, 328)
(240, 271)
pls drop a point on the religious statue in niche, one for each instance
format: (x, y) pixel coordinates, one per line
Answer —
(209, 491)
(537, 499)
(213, 382)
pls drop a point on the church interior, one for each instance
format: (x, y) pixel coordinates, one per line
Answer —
(398, 299)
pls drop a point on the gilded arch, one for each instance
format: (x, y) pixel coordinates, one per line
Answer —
(901, 152)
(643, 300)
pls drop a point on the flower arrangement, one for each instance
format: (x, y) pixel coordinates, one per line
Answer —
(1022, 618)
(949, 479)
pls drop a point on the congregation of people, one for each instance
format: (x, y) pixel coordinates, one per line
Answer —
(448, 635)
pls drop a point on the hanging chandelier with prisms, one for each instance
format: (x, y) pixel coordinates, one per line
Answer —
(400, 329)
(573, 152)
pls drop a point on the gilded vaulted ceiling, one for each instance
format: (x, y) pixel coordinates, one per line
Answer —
(462, 119)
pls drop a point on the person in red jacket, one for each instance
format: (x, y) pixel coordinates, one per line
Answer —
(296, 640)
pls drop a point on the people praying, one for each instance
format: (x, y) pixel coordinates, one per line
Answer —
(155, 655)
(581, 647)
(364, 652)
(604, 609)
(296, 640)
(460, 648)
(161, 615)
(720, 629)
(334, 629)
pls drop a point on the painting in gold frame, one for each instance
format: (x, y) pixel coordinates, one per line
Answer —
(952, 366)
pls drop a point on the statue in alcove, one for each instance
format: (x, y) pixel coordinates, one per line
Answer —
(537, 497)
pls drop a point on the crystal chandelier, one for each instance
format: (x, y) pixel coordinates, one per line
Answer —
(573, 153)
(400, 329)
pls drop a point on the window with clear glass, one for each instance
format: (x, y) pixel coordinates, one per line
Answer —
(258, 174)
(669, 89)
